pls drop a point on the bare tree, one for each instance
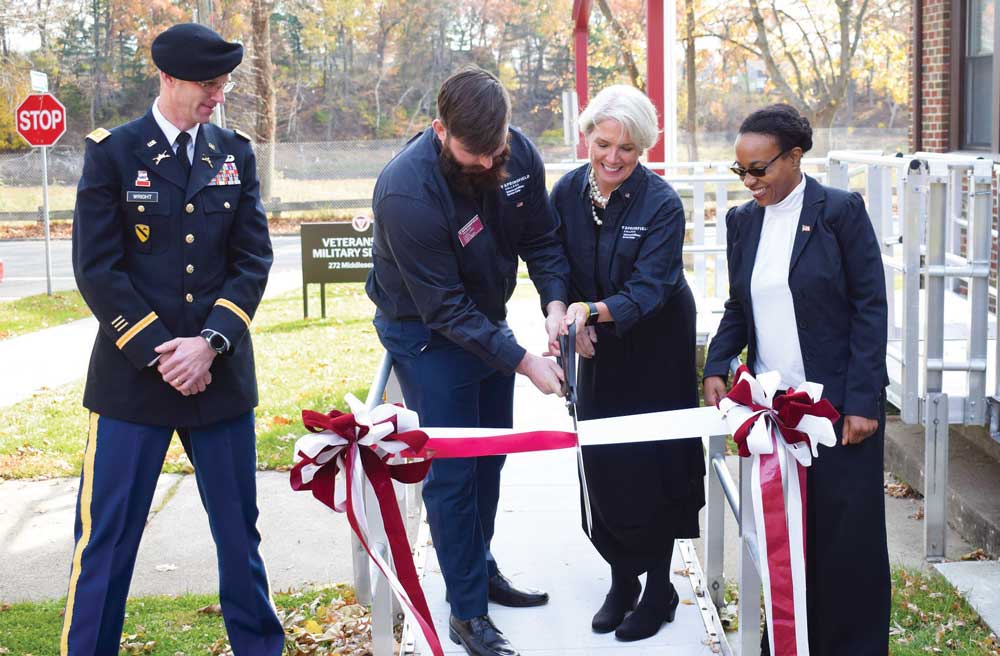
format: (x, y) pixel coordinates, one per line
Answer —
(260, 18)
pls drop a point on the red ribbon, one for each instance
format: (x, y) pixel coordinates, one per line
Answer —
(784, 415)
(381, 475)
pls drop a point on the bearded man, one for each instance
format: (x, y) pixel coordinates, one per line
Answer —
(453, 212)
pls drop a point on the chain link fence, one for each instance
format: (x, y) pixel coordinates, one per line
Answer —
(340, 175)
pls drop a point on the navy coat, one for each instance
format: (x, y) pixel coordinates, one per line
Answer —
(157, 257)
(450, 262)
(838, 291)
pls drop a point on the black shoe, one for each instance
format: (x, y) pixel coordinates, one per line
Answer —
(649, 616)
(614, 608)
(502, 592)
(479, 637)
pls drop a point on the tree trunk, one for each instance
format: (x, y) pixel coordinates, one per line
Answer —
(264, 87)
(622, 43)
(691, 72)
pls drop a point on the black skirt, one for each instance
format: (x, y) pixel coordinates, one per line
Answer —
(643, 496)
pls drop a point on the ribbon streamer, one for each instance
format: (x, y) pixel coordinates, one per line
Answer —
(781, 433)
(360, 444)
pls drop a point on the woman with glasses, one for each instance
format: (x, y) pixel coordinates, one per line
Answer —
(623, 229)
(807, 299)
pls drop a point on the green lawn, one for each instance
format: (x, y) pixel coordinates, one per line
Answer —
(191, 624)
(930, 617)
(33, 313)
(301, 363)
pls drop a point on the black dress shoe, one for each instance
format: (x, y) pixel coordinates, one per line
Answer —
(479, 637)
(502, 592)
(647, 619)
(616, 605)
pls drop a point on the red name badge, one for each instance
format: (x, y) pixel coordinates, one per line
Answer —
(469, 231)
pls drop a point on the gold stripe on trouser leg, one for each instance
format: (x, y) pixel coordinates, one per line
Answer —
(86, 496)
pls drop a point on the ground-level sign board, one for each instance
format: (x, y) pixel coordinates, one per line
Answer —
(335, 252)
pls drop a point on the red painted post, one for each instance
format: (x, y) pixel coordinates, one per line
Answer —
(581, 29)
(654, 71)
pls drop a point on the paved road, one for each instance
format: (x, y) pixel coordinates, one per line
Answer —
(24, 265)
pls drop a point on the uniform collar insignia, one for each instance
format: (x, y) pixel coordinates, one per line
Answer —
(207, 160)
(159, 158)
(150, 143)
(211, 145)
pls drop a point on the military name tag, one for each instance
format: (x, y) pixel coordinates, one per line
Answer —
(142, 196)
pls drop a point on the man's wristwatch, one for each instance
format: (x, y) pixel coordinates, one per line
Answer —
(592, 313)
(216, 340)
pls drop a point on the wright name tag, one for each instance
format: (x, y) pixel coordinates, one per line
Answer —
(142, 196)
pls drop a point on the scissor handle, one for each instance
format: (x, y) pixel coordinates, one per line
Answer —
(567, 360)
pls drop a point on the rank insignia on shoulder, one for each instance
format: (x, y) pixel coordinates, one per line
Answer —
(242, 135)
(99, 135)
(142, 232)
(150, 143)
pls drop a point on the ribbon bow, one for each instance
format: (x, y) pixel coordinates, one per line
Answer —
(359, 444)
(768, 428)
(801, 416)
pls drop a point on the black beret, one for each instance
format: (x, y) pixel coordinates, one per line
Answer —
(193, 52)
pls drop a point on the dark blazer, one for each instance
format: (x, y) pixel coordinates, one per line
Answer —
(838, 291)
(158, 256)
(638, 271)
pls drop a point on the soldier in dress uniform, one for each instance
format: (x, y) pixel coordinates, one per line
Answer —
(171, 252)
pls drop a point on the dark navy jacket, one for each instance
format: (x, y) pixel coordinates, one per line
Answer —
(639, 270)
(158, 257)
(838, 291)
(422, 270)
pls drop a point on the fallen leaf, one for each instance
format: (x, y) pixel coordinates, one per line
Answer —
(977, 554)
(211, 609)
(280, 421)
(687, 602)
(312, 626)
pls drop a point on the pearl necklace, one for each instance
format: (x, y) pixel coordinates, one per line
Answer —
(596, 199)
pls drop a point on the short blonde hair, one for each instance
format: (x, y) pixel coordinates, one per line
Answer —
(627, 105)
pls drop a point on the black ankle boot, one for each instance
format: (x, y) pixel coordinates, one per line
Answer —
(619, 600)
(649, 616)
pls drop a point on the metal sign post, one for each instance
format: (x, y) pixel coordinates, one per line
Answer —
(45, 215)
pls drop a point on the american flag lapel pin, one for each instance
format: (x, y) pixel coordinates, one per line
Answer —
(806, 228)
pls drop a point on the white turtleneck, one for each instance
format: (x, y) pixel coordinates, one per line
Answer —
(773, 310)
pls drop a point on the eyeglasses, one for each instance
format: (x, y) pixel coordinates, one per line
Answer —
(755, 171)
(212, 86)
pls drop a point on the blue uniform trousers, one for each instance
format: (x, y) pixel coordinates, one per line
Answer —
(449, 386)
(122, 461)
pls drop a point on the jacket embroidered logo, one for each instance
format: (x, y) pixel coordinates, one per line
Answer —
(142, 232)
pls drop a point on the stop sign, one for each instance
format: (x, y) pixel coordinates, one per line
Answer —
(40, 119)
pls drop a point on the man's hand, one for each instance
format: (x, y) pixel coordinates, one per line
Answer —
(544, 374)
(857, 429)
(554, 313)
(184, 364)
(714, 389)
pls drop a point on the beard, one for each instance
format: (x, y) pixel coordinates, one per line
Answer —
(472, 181)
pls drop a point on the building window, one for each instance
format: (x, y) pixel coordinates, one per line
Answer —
(977, 78)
